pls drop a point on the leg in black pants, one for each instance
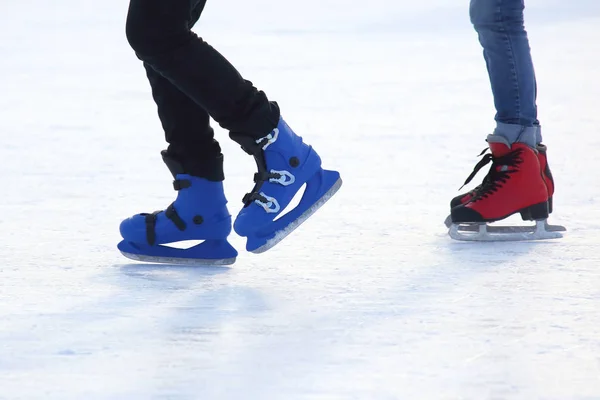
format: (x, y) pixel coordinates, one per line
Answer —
(190, 80)
(187, 129)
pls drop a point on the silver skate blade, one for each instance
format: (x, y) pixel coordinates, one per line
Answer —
(282, 234)
(509, 229)
(179, 260)
(485, 233)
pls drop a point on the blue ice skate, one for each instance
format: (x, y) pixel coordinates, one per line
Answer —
(199, 213)
(285, 163)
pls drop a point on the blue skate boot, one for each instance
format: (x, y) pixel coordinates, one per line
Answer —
(285, 163)
(199, 213)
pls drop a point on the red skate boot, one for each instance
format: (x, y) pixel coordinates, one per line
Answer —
(546, 174)
(513, 185)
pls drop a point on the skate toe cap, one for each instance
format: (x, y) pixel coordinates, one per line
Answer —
(459, 200)
(133, 229)
(243, 226)
(462, 214)
(250, 220)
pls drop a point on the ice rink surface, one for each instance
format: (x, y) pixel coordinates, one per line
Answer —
(368, 300)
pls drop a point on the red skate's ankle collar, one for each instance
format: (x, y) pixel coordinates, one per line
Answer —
(500, 149)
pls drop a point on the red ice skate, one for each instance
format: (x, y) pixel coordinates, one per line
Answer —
(514, 184)
(546, 174)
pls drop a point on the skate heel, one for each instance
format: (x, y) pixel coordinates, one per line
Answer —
(526, 215)
(535, 212)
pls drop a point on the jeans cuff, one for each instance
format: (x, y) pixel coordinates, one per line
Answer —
(517, 133)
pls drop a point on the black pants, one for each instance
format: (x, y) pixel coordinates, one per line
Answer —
(191, 81)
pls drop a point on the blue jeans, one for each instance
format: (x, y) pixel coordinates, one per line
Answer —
(500, 27)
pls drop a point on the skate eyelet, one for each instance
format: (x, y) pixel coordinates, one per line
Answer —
(198, 219)
(270, 139)
(285, 178)
(294, 162)
(271, 205)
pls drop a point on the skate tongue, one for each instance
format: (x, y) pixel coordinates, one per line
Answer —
(499, 146)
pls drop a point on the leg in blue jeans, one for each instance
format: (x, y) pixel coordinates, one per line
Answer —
(500, 26)
(519, 180)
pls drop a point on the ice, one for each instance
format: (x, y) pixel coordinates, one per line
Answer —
(370, 299)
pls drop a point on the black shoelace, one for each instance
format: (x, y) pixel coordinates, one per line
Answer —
(255, 149)
(498, 174)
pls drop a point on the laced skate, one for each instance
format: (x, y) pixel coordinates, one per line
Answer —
(546, 173)
(514, 184)
(284, 165)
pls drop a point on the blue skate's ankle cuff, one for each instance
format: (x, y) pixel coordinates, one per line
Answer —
(514, 133)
